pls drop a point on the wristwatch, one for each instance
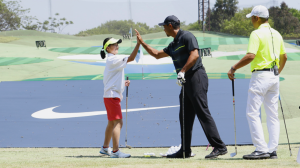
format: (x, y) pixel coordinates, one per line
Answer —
(233, 68)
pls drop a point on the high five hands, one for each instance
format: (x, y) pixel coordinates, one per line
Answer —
(138, 37)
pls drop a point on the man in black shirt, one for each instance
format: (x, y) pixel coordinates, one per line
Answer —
(184, 51)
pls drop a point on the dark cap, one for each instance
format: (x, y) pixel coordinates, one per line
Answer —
(169, 20)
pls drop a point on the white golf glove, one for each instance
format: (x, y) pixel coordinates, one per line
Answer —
(180, 78)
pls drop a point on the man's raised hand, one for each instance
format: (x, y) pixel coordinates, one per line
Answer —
(138, 37)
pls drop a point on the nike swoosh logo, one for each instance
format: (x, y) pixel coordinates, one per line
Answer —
(50, 114)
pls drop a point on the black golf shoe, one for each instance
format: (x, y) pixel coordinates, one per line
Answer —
(257, 155)
(273, 155)
(179, 154)
(216, 152)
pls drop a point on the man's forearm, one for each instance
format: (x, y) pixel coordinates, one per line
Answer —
(244, 61)
(190, 63)
(282, 62)
(150, 50)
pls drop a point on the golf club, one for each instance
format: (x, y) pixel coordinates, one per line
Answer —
(298, 157)
(126, 116)
(233, 154)
(285, 126)
(183, 135)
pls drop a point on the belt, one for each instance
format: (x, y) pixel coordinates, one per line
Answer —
(265, 69)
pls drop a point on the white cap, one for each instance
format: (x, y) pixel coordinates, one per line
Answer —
(259, 11)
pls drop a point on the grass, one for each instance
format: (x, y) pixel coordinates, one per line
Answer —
(89, 157)
(7, 39)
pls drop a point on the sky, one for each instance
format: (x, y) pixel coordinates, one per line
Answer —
(87, 14)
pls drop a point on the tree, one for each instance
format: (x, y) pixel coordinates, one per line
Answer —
(55, 24)
(284, 21)
(29, 23)
(155, 29)
(11, 14)
(295, 12)
(194, 26)
(239, 24)
(120, 27)
(207, 21)
(223, 10)
(14, 17)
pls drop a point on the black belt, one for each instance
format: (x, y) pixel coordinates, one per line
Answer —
(266, 69)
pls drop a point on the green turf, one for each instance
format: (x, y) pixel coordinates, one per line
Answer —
(291, 57)
(202, 41)
(95, 50)
(122, 50)
(139, 76)
(5, 61)
(7, 39)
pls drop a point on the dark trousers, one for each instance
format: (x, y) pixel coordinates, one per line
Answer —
(195, 103)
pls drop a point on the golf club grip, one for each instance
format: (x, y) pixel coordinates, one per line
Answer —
(232, 87)
(127, 87)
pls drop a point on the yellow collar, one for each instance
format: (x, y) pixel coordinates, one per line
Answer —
(264, 25)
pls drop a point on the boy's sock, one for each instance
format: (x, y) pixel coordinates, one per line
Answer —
(115, 151)
(105, 147)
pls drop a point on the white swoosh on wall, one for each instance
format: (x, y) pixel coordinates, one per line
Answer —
(50, 114)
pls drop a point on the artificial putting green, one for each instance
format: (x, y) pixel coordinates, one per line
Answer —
(159, 44)
(5, 61)
(7, 39)
(291, 57)
(96, 50)
(139, 76)
(202, 41)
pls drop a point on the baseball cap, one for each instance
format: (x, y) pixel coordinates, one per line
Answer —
(169, 19)
(112, 41)
(260, 11)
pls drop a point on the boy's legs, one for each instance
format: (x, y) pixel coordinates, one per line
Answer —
(108, 133)
(116, 133)
(113, 130)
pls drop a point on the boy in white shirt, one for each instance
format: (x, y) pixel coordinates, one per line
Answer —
(114, 85)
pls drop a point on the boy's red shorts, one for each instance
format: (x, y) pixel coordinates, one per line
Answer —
(113, 108)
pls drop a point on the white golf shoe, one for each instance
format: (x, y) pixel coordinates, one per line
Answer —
(119, 154)
(106, 151)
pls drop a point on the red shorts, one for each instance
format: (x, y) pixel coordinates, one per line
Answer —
(113, 108)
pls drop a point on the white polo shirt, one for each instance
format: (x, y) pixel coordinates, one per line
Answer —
(113, 77)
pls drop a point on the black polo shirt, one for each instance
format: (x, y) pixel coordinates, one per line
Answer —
(180, 49)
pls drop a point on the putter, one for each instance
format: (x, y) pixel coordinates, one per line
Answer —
(127, 146)
(287, 135)
(233, 154)
(183, 135)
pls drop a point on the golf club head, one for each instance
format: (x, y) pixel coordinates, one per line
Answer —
(232, 154)
(128, 146)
